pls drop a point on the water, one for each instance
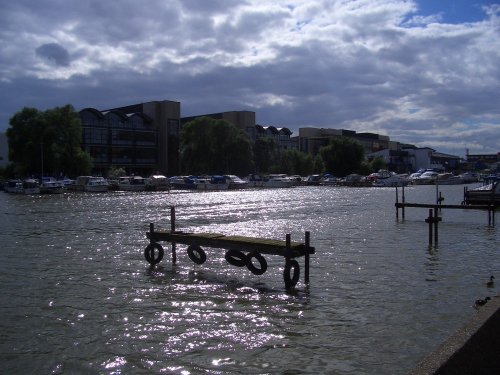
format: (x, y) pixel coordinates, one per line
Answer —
(77, 296)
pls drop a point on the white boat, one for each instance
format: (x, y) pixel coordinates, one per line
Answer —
(469, 177)
(157, 182)
(211, 183)
(90, 184)
(385, 178)
(277, 181)
(235, 182)
(448, 179)
(14, 186)
(254, 180)
(50, 185)
(31, 186)
(426, 178)
(487, 194)
(182, 182)
(132, 183)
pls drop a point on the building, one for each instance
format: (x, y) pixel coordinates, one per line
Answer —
(141, 138)
(408, 158)
(280, 135)
(312, 139)
(483, 161)
(245, 120)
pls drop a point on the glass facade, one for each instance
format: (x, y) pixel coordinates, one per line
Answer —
(114, 139)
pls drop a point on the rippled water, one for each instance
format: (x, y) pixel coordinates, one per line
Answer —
(77, 296)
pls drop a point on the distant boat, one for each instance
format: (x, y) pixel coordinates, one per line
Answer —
(90, 184)
(448, 179)
(14, 186)
(426, 178)
(385, 178)
(182, 182)
(31, 186)
(132, 183)
(211, 183)
(235, 182)
(278, 181)
(157, 182)
(50, 185)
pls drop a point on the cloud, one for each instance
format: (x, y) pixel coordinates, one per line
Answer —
(366, 65)
(55, 53)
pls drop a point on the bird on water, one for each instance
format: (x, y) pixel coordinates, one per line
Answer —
(481, 302)
(491, 283)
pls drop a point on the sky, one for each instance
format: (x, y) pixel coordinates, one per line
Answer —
(425, 72)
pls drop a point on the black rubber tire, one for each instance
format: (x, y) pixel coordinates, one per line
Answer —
(149, 253)
(236, 258)
(262, 263)
(291, 279)
(196, 254)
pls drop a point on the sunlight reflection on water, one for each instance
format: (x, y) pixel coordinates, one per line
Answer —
(78, 296)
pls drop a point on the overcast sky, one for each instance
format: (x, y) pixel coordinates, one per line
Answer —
(425, 72)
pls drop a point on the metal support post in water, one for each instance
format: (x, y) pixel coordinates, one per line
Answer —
(172, 228)
(151, 230)
(436, 220)
(430, 220)
(397, 198)
(403, 208)
(307, 241)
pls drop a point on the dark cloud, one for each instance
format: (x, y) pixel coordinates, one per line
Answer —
(54, 53)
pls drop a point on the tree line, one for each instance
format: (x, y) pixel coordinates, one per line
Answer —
(50, 141)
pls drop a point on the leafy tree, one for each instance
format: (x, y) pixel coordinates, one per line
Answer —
(294, 162)
(377, 164)
(265, 151)
(47, 140)
(210, 146)
(342, 156)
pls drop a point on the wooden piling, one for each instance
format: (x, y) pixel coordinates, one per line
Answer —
(307, 241)
(172, 228)
(429, 220)
(403, 198)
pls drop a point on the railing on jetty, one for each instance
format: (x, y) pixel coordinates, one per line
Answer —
(433, 219)
(241, 251)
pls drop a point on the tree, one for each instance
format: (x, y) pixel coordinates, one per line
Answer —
(210, 146)
(342, 156)
(265, 151)
(294, 162)
(48, 141)
(377, 164)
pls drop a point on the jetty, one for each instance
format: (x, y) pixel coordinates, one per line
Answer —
(490, 208)
(241, 251)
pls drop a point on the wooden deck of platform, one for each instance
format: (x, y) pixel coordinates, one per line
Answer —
(242, 243)
(240, 251)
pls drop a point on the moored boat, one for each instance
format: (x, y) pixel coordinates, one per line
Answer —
(14, 186)
(235, 182)
(426, 178)
(211, 183)
(90, 184)
(277, 181)
(31, 186)
(132, 183)
(49, 185)
(448, 179)
(487, 194)
(157, 182)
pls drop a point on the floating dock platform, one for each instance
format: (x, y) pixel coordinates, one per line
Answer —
(241, 251)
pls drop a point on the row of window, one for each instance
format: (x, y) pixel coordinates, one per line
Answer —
(102, 136)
